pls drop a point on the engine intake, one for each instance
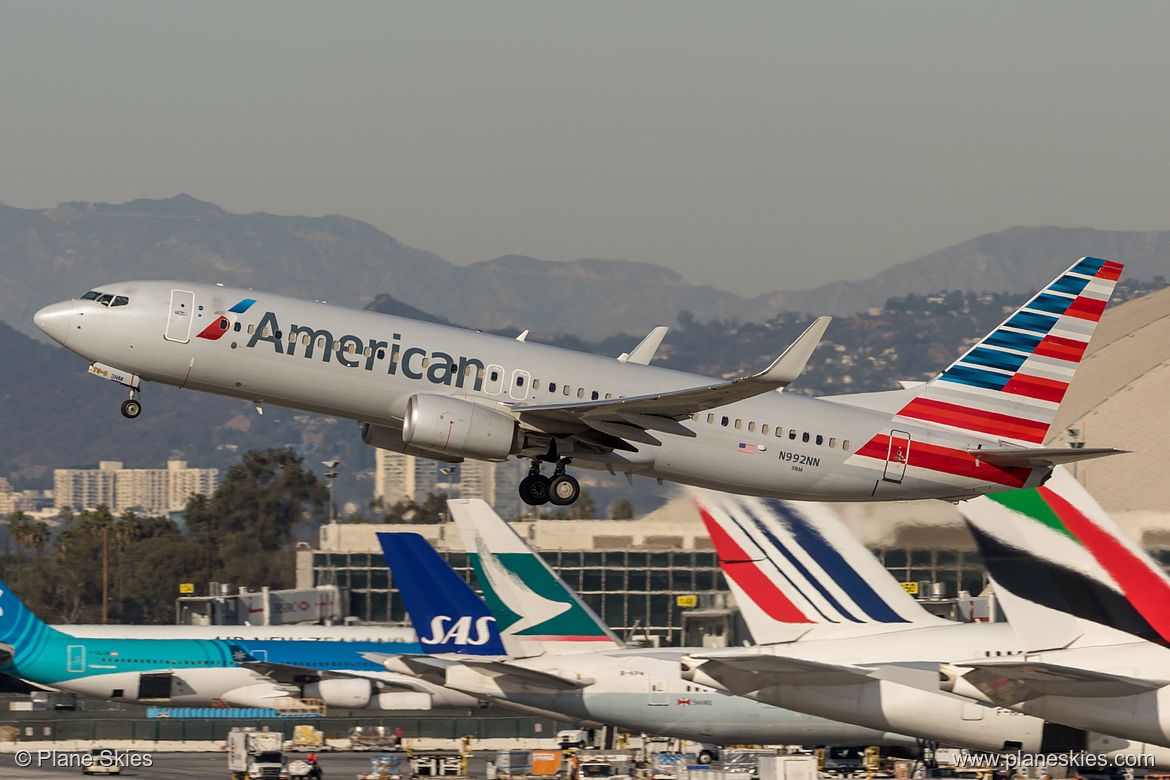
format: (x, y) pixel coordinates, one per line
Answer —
(455, 427)
(353, 694)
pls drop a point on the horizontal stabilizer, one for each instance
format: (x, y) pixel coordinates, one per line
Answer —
(751, 672)
(1042, 457)
(1010, 682)
(507, 675)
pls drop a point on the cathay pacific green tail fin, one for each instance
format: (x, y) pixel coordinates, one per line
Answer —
(530, 602)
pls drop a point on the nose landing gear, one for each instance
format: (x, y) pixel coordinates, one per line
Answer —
(133, 407)
(561, 489)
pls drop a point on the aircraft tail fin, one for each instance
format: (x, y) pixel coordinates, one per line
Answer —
(446, 613)
(1010, 384)
(794, 564)
(22, 634)
(531, 603)
(1065, 572)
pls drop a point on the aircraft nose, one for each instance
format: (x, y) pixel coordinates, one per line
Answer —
(53, 320)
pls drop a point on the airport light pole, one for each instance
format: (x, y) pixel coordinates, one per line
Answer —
(330, 477)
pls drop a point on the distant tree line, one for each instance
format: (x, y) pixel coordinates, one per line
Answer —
(244, 533)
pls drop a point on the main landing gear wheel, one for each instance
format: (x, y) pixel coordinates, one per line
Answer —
(563, 490)
(131, 409)
(534, 489)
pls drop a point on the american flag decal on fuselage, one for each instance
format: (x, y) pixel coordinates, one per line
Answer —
(1009, 385)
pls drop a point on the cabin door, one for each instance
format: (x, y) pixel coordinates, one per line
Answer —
(180, 316)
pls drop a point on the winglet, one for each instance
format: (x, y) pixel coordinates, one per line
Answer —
(644, 352)
(786, 368)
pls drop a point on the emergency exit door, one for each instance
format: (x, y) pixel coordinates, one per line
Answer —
(897, 457)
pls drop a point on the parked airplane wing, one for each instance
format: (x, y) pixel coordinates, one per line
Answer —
(291, 674)
(1042, 456)
(658, 411)
(746, 673)
(528, 679)
(1008, 682)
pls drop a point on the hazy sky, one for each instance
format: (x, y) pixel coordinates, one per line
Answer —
(751, 146)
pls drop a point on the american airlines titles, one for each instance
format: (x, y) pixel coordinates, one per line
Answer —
(438, 368)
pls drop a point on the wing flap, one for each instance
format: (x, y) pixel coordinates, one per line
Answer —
(679, 404)
(751, 672)
(507, 675)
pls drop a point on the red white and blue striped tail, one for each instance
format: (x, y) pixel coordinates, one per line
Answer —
(793, 565)
(1010, 384)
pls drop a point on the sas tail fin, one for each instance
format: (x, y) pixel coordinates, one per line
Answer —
(23, 635)
(794, 564)
(1010, 384)
(446, 613)
(530, 602)
(1064, 571)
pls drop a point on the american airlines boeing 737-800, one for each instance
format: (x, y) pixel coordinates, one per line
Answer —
(448, 394)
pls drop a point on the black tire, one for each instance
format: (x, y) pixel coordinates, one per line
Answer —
(706, 757)
(534, 490)
(563, 490)
(131, 409)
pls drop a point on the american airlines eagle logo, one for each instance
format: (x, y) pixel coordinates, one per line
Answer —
(460, 631)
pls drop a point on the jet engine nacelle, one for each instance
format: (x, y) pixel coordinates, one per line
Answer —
(952, 679)
(391, 439)
(352, 694)
(452, 426)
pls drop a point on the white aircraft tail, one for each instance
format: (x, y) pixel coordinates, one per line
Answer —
(533, 606)
(1065, 572)
(793, 565)
(1010, 384)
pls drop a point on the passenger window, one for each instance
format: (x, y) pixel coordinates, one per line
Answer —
(832, 443)
(495, 375)
(765, 429)
(752, 427)
(520, 381)
(351, 348)
(739, 424)
(595, 395)
(223, 324)
(565, 390)
(535, 384)
(724, 422)
(264, 332)
(306, 338)
(608, 396)
(845, 445)
(479, 374)
(779, 431)
(236, 327)
(820, 440)
(711, 418)
(279, 335)
(792, 434)
(552, 387)
(120, 300)
(367, 352)
(251, 330)
(580, 392)
(321, 342)
(804, 438)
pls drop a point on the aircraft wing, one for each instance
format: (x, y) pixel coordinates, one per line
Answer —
(1041, 457)
(1010, 682)
(510, 675)
(749, 673)
(291, 674)
(631, 417)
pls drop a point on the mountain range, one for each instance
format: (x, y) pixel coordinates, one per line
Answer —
(56, 253)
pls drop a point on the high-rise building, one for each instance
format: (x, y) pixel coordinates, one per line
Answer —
(11, 501)
(398, 476)
(149, 491)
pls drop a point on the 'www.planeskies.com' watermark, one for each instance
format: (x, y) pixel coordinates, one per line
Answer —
(110, 759)
(1069, 758)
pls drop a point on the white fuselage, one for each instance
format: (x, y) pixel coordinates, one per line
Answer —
(367, 366)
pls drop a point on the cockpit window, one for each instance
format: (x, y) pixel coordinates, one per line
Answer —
(90, 296)
(105, 299)
(120, 300)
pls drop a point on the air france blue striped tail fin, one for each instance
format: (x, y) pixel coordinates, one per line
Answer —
(1065, 572)
(1010, 384)
(23, 636)
(794, 565)
(446, 613)
(531, 603)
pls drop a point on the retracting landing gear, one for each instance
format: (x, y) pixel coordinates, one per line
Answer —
(534, 487)
(560, 489)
